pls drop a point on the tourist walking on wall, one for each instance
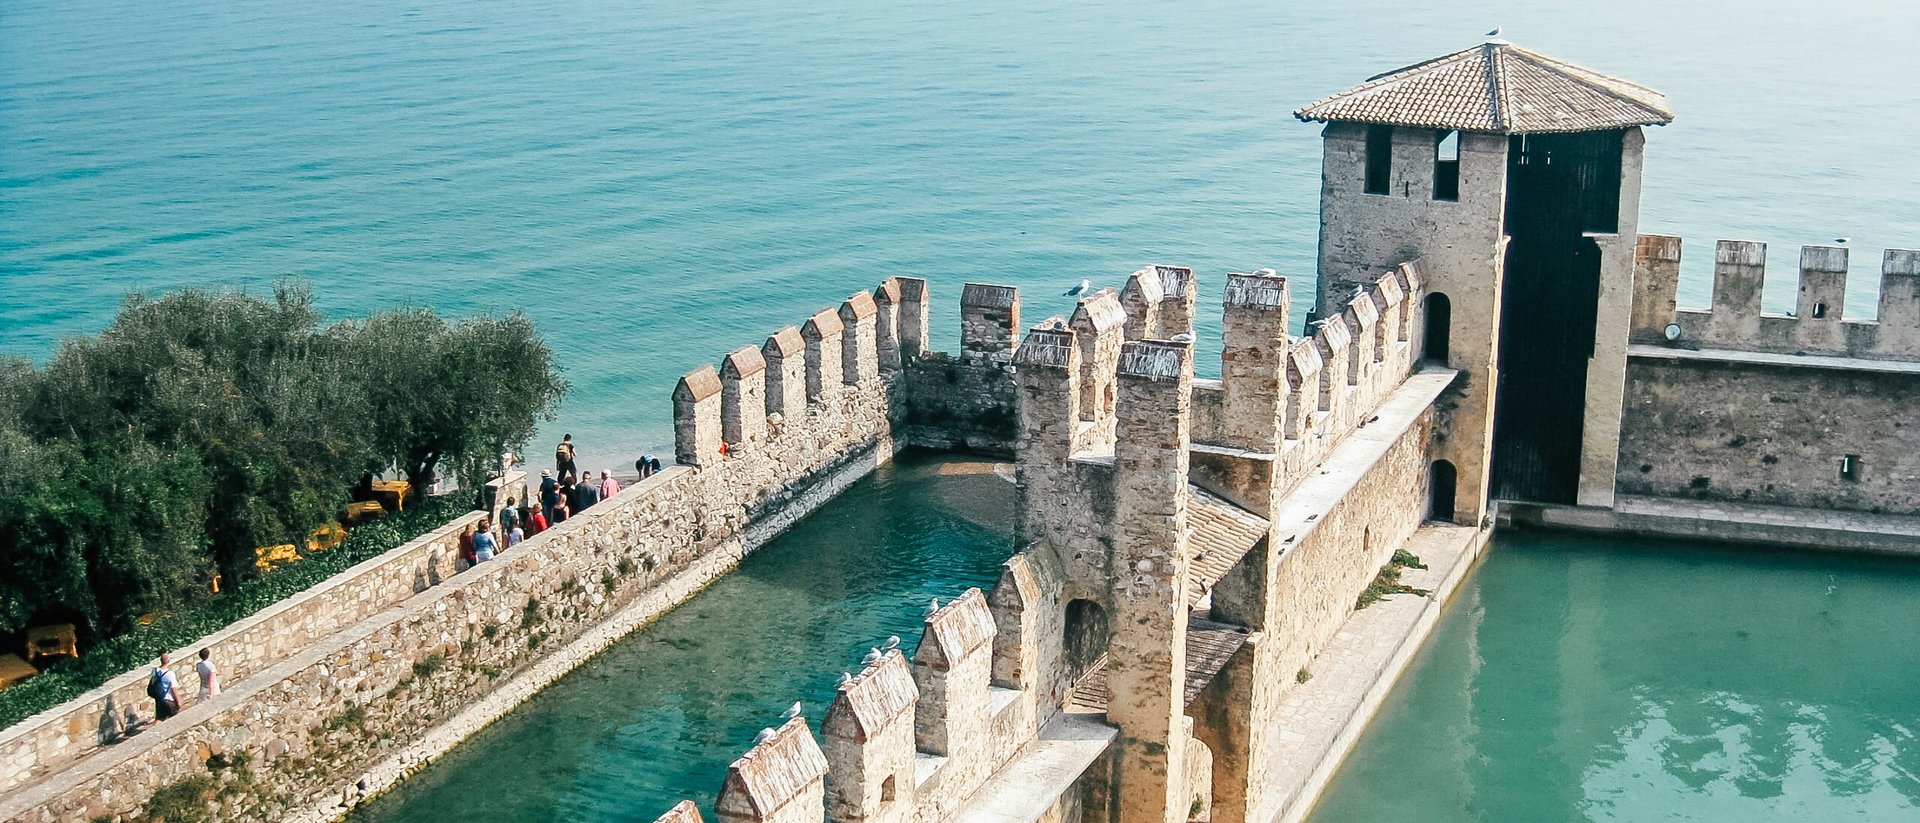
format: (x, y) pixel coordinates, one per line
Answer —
(538, 520)
(514, 536)
(509, 517)
(560, 511)
(585, 493)
(563, 457)
(549, 489)
(608, 486)
(164, 688)
(466, 544)
(209, 676)
(483, 542)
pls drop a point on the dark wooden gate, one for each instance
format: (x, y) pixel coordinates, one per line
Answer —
(1559, 187)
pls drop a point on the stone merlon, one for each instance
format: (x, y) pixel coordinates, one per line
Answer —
(1153, 359)
(1262, 289)
(955, 630)
(770, 775)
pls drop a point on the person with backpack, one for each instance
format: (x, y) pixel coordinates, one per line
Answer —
(563, 457)
(164, 688)
(509, 517)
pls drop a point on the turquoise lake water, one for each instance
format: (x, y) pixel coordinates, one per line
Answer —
(658, 183)
(659, 715)
(1602, 680)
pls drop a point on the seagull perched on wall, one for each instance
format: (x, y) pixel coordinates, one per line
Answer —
(1084, 287)
(1841, 240)
(1495, 32)
(893, 642)
(1183, 337)
(764, 736)
(873, 656)
(933, 606)
(845, 678)
(792, 711)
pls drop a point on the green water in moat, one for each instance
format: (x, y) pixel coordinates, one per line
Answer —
(1578, 679)
(657, 717)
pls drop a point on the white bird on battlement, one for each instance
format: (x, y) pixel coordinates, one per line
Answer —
(893, 642)
(764, 736)
(1183, 337)
(1084, 287)
(873, 656)
(933, 607)
(792, 711)
(845, 678)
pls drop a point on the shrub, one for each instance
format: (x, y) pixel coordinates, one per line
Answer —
(139, 648)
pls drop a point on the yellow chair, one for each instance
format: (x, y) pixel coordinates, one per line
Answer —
(14, 670)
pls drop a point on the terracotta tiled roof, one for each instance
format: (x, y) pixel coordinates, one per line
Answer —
(1495, 87)
(1221, 534)
(1209, 646)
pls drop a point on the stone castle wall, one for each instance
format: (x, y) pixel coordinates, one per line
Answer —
(1326, 435)
(315, 722)
(1812, 409)
(100, 717)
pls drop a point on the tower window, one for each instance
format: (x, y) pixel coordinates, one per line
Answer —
(1850, 468)
(1446, 166)
(1379, 158)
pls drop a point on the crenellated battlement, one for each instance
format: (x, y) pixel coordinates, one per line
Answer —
(1140, 490)
(904, 739)
(759, 392)
(1819, 323)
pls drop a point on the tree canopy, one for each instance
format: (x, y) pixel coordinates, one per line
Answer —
(200, 425)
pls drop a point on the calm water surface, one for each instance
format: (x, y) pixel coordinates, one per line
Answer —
(1588, 680)
(658, 716)
(658, 183)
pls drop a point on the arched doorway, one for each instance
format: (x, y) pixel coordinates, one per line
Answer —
(1439, 325)
(1086, 636)
(1440, 483)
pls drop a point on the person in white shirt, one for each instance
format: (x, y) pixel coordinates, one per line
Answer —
(209, 676)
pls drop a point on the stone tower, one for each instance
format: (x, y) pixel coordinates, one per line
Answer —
(1514, 178)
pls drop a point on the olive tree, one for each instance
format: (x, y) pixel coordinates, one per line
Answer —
(451, 396)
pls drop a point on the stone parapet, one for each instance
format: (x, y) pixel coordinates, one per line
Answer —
(396, 666)
(101, 717)
(1735, 321)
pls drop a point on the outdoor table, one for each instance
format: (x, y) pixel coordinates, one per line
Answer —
(59, 639)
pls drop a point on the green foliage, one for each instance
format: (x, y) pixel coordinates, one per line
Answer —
(183, 801)
(426, 666)
(352, 717)
(1302, 675)
(68, 678)
(201, 425)
(453, 395)
(1387, 582)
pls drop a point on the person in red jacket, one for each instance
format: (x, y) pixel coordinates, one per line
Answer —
(537, 519)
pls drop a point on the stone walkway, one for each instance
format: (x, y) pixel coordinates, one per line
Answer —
(1735, 522)
(1324, 717)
